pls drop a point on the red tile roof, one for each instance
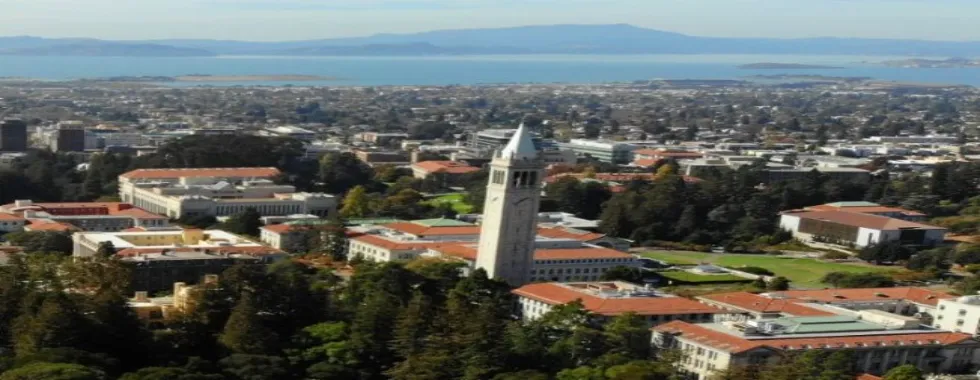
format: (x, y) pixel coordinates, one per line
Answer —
(41, 225)
(760, 304)
(394, 245)
(260, 250)
(420, 230)
(579, 254)
(566, 233)
(206, 172)
(138, 213)
(790, 302)
(558, 294)
(917, 295)
(860, 220)
(10, 217)
(278, 228)
(646, 162)
(468, 251)
(735, 344)
(449, 167)
(866, 209)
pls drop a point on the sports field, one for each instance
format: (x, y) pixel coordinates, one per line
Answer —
(455, 200)
(695, 278)
(802, 272)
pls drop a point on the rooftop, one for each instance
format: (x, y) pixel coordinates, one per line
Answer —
(728, 339)
(614, 298)
(856, 219)
(203, 172)
(794, 302)
(448, 167)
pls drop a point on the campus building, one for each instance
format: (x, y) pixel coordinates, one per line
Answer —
(879, 340)
(561, 254)
(13, 135)
(613, 152)
(857, 229)
(909, 301)
(219, 192)
(448, 168)
(84, 216)
(607, 300)
(872, 209)
(161, 258)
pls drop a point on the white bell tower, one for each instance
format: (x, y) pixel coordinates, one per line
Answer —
(510, 214)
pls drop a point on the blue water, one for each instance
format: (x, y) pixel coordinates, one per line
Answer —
(468, 70)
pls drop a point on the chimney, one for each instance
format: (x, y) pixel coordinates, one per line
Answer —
(23, 203)
(142, 297)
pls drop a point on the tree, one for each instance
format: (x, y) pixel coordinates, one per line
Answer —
(623, 274)
(858, 280)
(889, 252)
(57, 322)
(904, 372)
(42, 241)
(244, 333)
(169, 373)
(340, 172)
(778, 284)
(106, 249)
(356, 204)
(53, 371)
(255, 367)
(246, 222)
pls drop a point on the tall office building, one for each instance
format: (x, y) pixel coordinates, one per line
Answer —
(69, 138)
(507, 235)
(13, 135)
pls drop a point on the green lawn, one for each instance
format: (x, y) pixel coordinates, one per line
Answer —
(702, 278)
(455, 200)
(804, 273)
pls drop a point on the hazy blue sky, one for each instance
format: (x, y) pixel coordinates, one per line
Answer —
(304, 19)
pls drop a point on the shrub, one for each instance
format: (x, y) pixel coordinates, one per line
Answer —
(835, 255)
(756, 270)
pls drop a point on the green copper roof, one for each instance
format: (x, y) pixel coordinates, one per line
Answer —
(810, 325)
(441, 222)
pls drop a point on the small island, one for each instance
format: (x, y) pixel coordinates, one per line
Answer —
(784, 66)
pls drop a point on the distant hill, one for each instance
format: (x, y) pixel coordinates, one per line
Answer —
(102, 49)
(546, 39)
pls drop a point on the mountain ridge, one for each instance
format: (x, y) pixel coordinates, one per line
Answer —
(532, 39)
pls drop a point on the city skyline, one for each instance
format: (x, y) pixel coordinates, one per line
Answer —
(952, 20)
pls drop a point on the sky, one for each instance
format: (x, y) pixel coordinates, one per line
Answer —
(278, 20)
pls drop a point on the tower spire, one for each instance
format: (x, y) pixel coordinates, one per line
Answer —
(521, 146)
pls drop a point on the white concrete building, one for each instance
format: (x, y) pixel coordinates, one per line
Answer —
(960, 314)
(218, 192)
(857, 229)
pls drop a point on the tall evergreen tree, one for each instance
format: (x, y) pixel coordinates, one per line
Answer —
(244, 333)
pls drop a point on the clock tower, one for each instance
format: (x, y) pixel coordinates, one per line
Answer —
(510, 214)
